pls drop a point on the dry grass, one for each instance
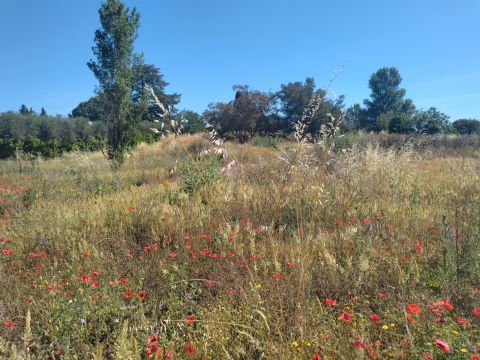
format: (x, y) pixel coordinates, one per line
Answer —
(253, 254)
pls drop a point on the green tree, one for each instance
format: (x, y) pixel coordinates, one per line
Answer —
(113, 67)
(143, 74)
(91, 109)
(294, 98)
(467, 126)
(24, 110)
(251, 113)
(355, 117)
(401, 123)
(192, 121)
(43, 112)
(148, 74)
(431, 122)
(386, 98)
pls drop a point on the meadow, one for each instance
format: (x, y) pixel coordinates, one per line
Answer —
(282, 251)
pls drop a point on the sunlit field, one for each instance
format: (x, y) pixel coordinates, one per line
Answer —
(292, 251)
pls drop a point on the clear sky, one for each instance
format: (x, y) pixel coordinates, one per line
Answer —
(203, 47)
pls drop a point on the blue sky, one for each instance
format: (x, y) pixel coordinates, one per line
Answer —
(203, 47)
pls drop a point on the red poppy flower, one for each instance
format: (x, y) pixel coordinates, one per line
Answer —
(85, 278)
(142, 295)
(347, 317)
(277, 276)
(86, 254)
(189, 349)
(414, 309)
(172, 254)
(9, 324)
(462, 321)
(446, 304)
(474, 357)
(95, 273)
(476, 312)
(375, 318)
(191, 319)
(331, 302)
(132, 208)
(128, 295)
(208, 282)
(169, 355)
(316, 357)
(291, 263)
(7, 252)
(152, 339)
(360, 344)
(419, 249)
(442, 345)
(122, 280)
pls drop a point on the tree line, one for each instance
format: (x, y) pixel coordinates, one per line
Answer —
(122, 112)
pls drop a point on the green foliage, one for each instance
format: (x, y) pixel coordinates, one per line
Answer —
(386, 98)
(47, 136)
(91, 109)
(349, 140)
(196, 174)
(113, 67)
(192, 122)
(266, 141)
(467, 126)
(147, 74)
(295, 97)
(401, 124)
(431, 122)
(251, 113)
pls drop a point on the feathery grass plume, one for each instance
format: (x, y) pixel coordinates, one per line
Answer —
(177, 126)
(218, 149)
(126, 347)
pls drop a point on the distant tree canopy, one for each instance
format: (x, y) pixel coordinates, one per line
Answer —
(467, 126)
(143, 74)
(47, 136)
(250, 113)
(387, 101)
(431, 122)
(192, 122)
(295, 97)
(254, 112)
(90, 109)
(388, 110)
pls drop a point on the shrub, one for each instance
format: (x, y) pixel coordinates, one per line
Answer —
(266, 141)
(199, 173)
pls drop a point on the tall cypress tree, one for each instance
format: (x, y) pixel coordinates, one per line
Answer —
(113, 67)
